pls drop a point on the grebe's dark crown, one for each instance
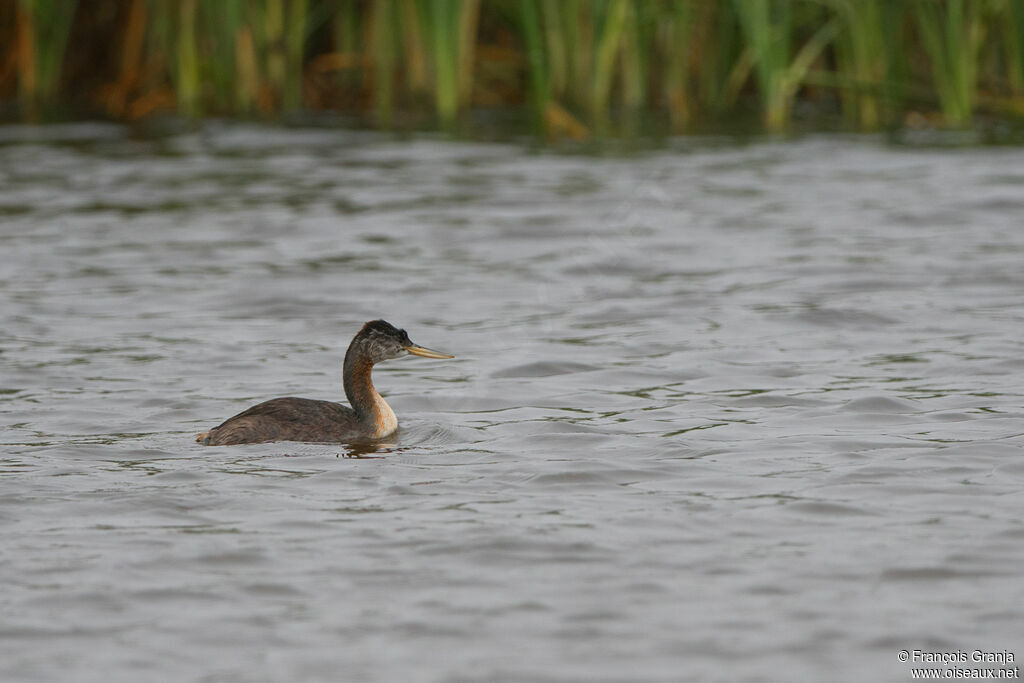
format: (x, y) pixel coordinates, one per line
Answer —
(384, 328)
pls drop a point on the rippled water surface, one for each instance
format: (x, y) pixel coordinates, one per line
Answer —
(718, 412)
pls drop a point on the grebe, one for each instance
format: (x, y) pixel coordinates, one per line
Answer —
(303, 419)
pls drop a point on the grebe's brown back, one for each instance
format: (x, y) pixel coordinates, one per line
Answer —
(303, 419)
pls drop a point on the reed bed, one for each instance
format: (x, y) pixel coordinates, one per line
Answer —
(580, 67)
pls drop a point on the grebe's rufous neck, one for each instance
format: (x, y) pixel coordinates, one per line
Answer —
(303, 419)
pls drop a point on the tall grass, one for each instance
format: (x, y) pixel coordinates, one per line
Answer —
(677, 43)
(582, 67)
(865, 48)
(1012, 41)
(42, 28)
(384, 49)
(951, 34)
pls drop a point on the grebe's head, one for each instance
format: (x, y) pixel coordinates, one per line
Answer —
(380, 340)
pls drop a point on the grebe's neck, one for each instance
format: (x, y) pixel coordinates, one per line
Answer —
(370, 407)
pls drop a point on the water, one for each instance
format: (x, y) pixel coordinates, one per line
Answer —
(718, 412)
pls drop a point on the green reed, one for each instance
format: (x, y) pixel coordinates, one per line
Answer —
(582, 67)
(1013, 45)
(538, 67)
(187, 54)
(677, 43)
(294, 41)
(228, 68)
(951, 33)
(384, 49)
(865, 51)
(442, 18)
(723, 65)
(43, 27)
(780, 67)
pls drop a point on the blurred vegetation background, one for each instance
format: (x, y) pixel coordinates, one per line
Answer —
(578, 67)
